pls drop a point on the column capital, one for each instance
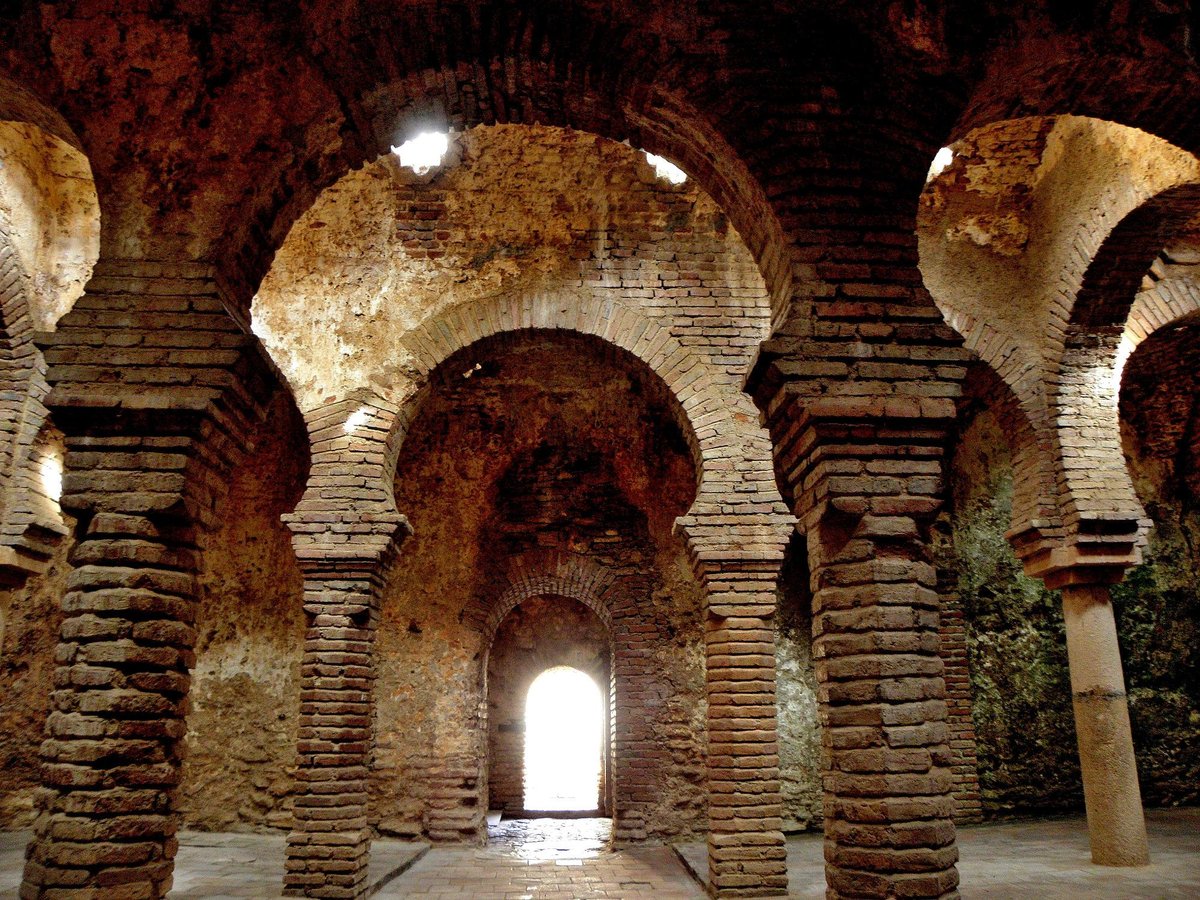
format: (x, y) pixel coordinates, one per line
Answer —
(1099, 555)
(346, 543)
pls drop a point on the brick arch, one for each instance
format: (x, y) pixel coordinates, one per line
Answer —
(1008, 359)
(1111, 236)
(29, 521)
(735, 505)
(20, 104)
(51, 215)
(507, 65)
(1027, 430)
(1154, 92)
(1111, 281)
(1079, 506)
(700, 400)
(542, 574)
(1098, 501)
(1172, 301)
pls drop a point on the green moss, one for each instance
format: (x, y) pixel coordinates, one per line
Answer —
(1017, 650)
(1158, 623)
(1017, 654)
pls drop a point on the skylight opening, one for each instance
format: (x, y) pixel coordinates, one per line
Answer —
(356, 419)
(51, 472)
(941, 162)
(666, 169)
(424, 152)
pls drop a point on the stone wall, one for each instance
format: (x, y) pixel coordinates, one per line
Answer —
(30, 616)
(512, 212)
(245, 695)
(1158, 605)
(244, 698)
(1017, 655)
(796, 692)
(1016, 648)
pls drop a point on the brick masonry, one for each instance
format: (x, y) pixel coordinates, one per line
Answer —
(817, 158)
(145, 461)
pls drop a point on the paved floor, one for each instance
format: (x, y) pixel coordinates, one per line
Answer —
(224, 866)
(546, 859)
(1043, 858)
(557, 859)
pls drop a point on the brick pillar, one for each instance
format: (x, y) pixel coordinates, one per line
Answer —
(150, 437)
(327, 852)
(738, 565)
(888, 780)
(968, 805)
(346, 532)
(865, 474)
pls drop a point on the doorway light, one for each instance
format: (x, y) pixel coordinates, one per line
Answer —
(564, 725)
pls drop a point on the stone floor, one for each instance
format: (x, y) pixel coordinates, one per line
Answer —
(1035, 859)
(225, 866)
(546, 859)
(557, 859)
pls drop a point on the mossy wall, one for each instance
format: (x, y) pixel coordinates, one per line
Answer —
(1158, 606)
(798, 718)
(1016, 647)
(1017, 650)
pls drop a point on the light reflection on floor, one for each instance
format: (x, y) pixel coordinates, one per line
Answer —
(546, 839)
(547, 859)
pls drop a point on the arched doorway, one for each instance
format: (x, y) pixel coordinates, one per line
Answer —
(564, 742)
(549, 687)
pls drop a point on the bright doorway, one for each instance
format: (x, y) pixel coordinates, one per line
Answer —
(564, 740)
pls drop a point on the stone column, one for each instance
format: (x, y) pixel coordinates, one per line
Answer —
(1116, 825)
(148, 449)
(738, 565)
(1102, 532)
(346, 532)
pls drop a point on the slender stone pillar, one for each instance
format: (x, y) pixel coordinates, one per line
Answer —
(1116, 825)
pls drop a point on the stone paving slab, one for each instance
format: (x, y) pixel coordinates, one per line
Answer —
(1029, 859)
(12, 862)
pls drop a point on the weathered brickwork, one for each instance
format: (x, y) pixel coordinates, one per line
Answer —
(243, 152)
(515, 490)
(30, 522)
(146, 453)
(244, 700)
